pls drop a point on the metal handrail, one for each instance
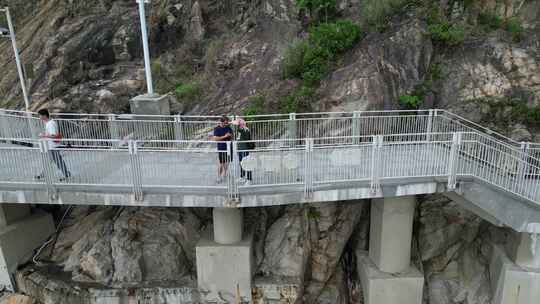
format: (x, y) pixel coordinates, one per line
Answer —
(144, 164)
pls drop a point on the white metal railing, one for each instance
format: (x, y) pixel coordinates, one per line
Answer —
(147, 127)
(139, 166)
(14, 124)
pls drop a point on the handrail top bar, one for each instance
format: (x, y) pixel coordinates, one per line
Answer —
(217, 116)
(211, 141)
(486, 130)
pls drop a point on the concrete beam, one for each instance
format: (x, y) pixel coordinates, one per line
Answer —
(18, 241)
(391, 233)
(228, 225)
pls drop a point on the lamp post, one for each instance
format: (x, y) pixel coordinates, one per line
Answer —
(149, 103)
(10, 32)
(144, 32)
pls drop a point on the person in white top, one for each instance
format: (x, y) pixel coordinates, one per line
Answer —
(53, 135)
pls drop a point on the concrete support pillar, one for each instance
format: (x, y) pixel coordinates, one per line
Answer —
(386, 273)
(224, 262)
(10, 213)
(391, 233)
(515, 270)
(150, 105)
(228, 225)
(20, 234)
(524, 250)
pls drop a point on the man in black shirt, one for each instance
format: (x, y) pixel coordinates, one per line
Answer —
(223, 133)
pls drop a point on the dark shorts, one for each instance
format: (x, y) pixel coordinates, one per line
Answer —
(223, 157)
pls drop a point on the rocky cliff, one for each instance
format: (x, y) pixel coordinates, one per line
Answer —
(479, 58)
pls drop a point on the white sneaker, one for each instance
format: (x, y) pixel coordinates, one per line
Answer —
(219, 180)
(241, 180)
(248, 183)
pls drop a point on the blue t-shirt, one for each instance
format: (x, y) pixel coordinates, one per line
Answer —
(221, 131)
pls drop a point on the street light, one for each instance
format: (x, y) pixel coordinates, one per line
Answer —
(147, 66)
(11, 34)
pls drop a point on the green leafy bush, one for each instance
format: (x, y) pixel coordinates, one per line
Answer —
(490, 21)
(309, 60)
(334, 37)
(188, 92)
(410, 101)
(447, 33)
(298, 101)
(533, 116)
(255, 106)
(514, 27)
(378, 12)
(321, 8)
(293, 63)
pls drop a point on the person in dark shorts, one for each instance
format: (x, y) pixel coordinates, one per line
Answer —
(223, 133)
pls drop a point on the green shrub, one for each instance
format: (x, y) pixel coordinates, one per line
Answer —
(320, 8)
(309, 60)
(378, 12)
(410, 101)
(533, 116)
(447, 33)
(334, 37)
(490, 21)
(514, 27)
(188, 92)
(256, 106)
(298, 101)
(292, 65)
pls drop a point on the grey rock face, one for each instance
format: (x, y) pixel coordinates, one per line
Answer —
(380, 70)
(451, 242)
(287, 245)
(139, 245)
(311, 238)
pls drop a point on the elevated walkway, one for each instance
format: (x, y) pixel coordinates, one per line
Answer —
(158, 160)
(391, 156)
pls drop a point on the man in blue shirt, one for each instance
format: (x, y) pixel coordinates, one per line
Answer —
(222, 134)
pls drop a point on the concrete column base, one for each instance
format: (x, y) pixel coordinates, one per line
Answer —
(150, 105)
(512, 284)
(385, 288)
(224, 272)
(18, 241)
(228, 225)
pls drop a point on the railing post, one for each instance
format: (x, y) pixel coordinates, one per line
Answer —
(376, 147)
(4, 125)
(178, 128)
(429, 127)
(453, 160)
(355, 126)
(523, 166)
(113, 128)
(291, 128)
(47, 172)
(308, 169)
(135, 170)
(232, 183)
